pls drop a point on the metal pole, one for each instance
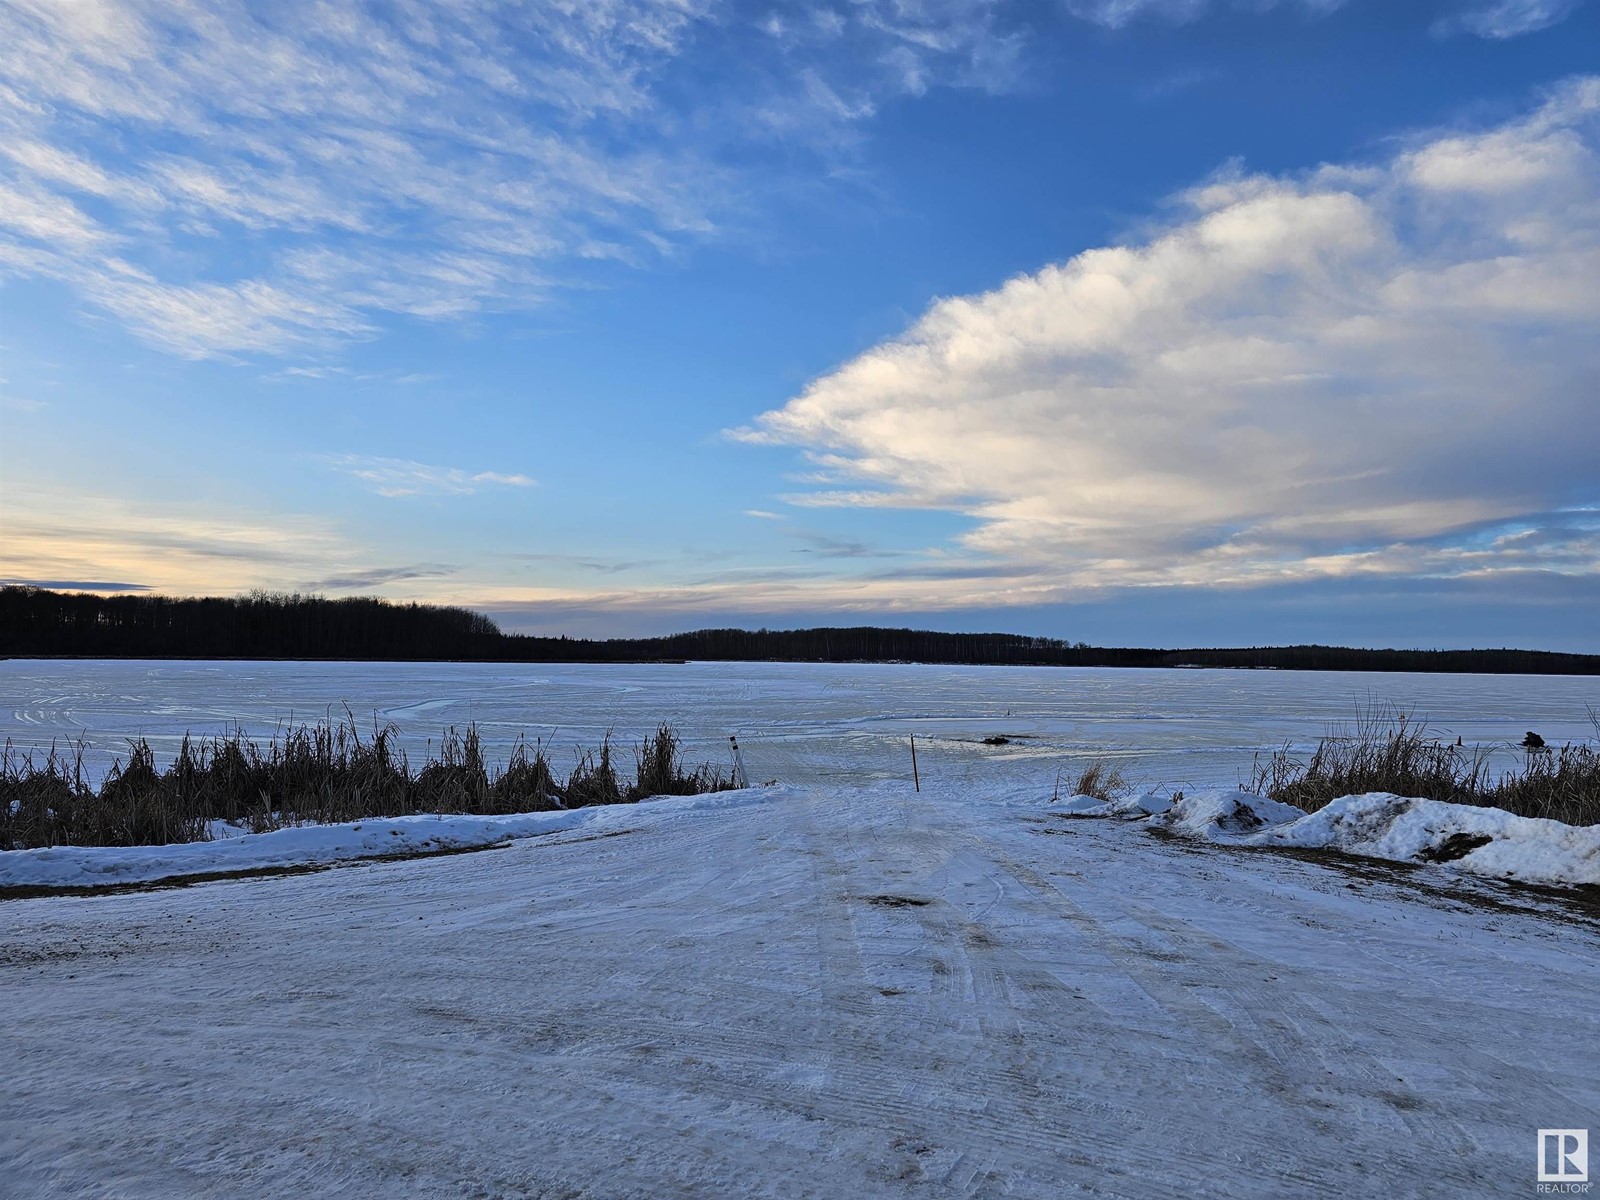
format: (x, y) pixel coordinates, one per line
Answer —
(915, 778)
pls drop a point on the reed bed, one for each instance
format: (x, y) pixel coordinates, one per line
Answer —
(1388, 750)
(320, 773)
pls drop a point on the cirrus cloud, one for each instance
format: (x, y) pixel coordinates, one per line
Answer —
(232, 178)
(396, 477)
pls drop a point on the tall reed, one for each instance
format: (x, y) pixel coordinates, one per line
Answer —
(309, 774)
(1388, 750)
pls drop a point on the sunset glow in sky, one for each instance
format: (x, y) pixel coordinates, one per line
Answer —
(1149, 322)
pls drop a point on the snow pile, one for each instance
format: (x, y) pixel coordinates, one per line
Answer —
(318, 845)
(1131, 808)
(1485, 841)
(1226, 816)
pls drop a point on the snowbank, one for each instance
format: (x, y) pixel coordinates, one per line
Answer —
(1132, 808)
(1482, 840)
(1485, 841)
(316, 845)
(1227, 816)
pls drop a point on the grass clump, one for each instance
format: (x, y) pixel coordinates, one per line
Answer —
(659, 770)
(309, 775)
(1387, 750)
(1102, 780)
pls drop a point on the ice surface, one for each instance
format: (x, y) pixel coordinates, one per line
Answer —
(838, 992)
(799, 723)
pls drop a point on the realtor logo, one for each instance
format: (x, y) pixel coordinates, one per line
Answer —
(1564, 1156)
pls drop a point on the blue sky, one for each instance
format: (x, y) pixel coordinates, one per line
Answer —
(1131, 321)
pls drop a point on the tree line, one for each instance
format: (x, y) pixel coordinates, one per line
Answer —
(35, 622)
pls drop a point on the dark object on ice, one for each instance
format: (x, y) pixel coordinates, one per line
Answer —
(1533, 741)
(997, 739)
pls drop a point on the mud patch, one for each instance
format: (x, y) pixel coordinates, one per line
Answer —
(1457, 845)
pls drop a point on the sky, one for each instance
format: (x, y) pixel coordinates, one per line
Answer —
(1136, 322)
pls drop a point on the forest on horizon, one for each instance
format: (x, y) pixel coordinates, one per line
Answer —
(38, 623)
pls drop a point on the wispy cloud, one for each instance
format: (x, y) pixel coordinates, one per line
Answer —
(582, 562)
(1355, 371)
(53, 534)
(235, 178)
(832, 547)
(75, 541)
(1177, 82)
(398, 477)
(1503, 19)
(78, 585)
(373, 577)
(1117, 13)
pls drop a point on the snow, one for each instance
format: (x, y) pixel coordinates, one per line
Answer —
(800, 992)
(1382, 825)
(1132, 808)
(1483, 841)
(313, 845)
(835, 987)
(1226, 814)
(801, 723)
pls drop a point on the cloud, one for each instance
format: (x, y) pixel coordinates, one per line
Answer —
(1504, 19)
(234, 178)
(763, 515)
(397, 477)
(581, 562)
(831, 547)
(60, 539)
(52, 534)
(1361, 370)
(1117, 13)
(77, 585)
(373, 577)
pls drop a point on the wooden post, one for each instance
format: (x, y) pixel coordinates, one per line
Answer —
(915, 778)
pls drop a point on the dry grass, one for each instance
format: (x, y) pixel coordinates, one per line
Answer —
(310, 774)
(1387, 750)
(1102, 780)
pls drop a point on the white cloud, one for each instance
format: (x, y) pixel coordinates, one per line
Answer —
(397, 477)
(1359, 370)
(1503, 19)
(1117, 13)
(231, 177)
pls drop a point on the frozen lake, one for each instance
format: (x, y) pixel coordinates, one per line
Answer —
(800, 723)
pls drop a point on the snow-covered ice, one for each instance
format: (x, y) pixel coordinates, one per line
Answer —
(830, 991)
(798, 722)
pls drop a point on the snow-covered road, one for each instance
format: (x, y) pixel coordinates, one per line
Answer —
(835, 994)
